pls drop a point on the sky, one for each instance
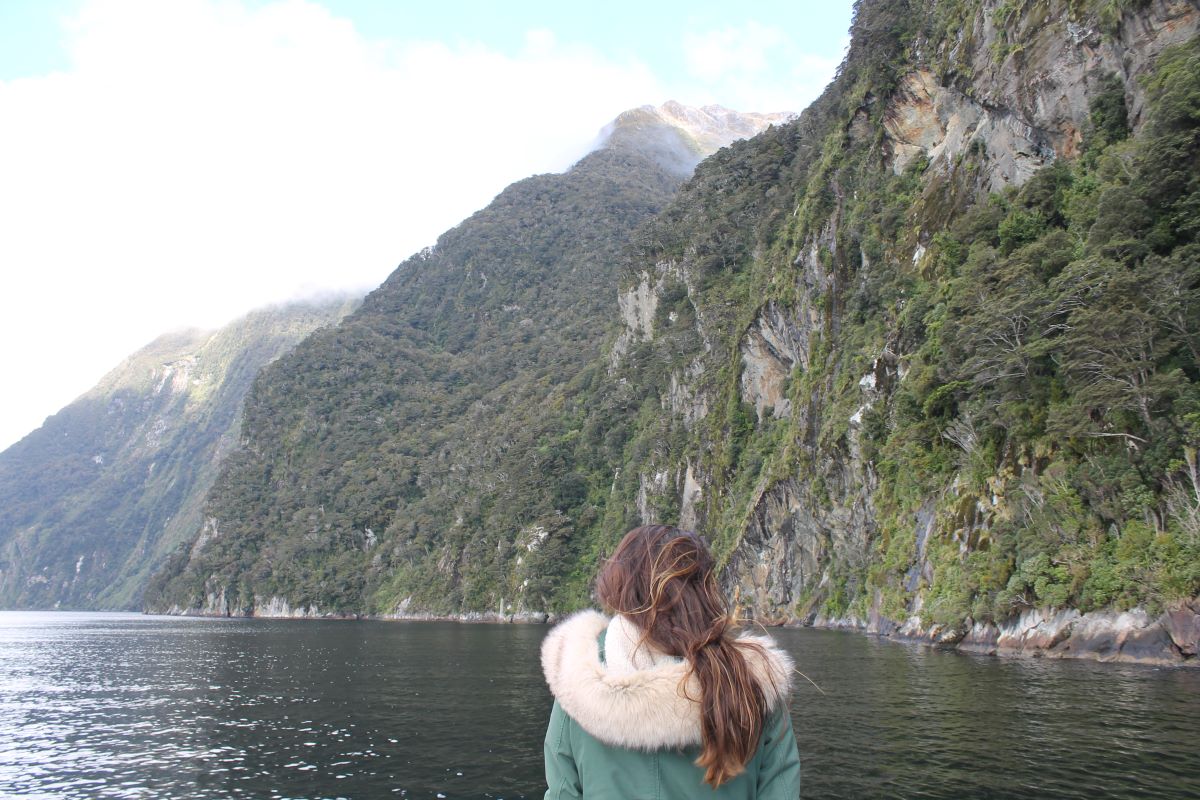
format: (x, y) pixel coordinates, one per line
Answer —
(176, 163)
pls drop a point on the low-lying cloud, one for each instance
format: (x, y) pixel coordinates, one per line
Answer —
(759, 64)
(203, 157)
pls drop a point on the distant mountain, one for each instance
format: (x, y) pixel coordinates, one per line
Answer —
(93, 501)
(679, 137)
(417, 456)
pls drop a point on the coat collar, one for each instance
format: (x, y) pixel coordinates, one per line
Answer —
(644, 709)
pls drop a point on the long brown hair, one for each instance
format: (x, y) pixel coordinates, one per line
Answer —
(663, 579)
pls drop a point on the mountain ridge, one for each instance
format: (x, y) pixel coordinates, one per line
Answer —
(372, 438)
(681, 136)
(93, 501)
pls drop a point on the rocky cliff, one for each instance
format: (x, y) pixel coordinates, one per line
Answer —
(93, 501)
(913, 353)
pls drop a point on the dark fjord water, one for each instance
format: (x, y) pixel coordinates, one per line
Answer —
(125, 706)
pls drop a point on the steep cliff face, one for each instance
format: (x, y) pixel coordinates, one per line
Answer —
(887, 375)
(1017, 81)
(92, 502)
(419, 458)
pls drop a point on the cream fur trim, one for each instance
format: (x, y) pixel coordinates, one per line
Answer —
(646, 709)
(624, 650)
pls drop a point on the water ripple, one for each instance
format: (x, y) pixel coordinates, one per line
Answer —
(125, 706)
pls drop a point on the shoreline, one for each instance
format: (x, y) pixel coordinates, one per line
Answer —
(1172, 639)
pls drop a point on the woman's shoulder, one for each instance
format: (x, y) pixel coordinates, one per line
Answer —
(648, 708)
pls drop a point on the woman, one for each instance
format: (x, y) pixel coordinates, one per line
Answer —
(662, 700)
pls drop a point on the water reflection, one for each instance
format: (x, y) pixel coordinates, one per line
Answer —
(130, 706)
(906, 721)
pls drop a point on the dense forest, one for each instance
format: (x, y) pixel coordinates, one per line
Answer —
(925, 355)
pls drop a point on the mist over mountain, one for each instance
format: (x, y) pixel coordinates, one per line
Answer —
(679, 137)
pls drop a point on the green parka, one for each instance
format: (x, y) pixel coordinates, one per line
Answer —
(634, 734)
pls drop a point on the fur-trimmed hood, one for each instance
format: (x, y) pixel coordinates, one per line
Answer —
(644, 709)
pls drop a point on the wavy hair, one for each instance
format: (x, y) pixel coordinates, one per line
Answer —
(662, 578)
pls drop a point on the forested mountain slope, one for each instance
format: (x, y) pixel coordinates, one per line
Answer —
(417, 455)
(93, 501)
(923, 361)
(926, 361)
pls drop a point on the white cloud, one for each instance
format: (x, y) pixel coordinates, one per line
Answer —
(711, 55)
(760, 65)
(203, 157)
